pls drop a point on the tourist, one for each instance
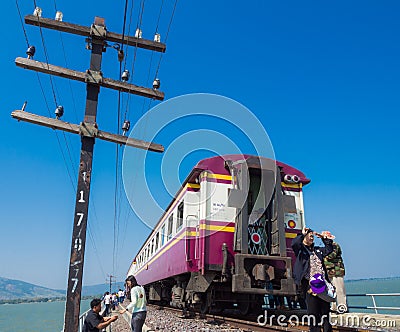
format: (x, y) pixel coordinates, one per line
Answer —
(94, 322)
(107, 303)
(121, 295)
(335, 267)
(309, 264)
(137, 305)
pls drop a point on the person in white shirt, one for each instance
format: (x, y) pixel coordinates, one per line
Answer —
(121, 296)
(137, 305)
(107, 302)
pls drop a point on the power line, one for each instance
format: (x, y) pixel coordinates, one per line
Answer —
(58, 140)
(71, 178)
(166, 36)
(46, 56)
(95, 249)
(138, 26)
(116, 205)
(66, 64)
(158, 67)
(159, 15)
(22, 23)
(54, 95)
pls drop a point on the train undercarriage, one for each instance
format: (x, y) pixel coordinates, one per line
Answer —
(244, 287)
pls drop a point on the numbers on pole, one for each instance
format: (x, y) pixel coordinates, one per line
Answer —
(80, 214)
(75, 280)
(84, 176)
(78, 244)
(81, 200)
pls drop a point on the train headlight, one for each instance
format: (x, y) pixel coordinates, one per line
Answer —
(256, 238)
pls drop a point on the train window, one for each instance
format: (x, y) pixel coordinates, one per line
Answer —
(152, 247)
(163, 235)
(179, 222)
(157, 240)
(170, 222)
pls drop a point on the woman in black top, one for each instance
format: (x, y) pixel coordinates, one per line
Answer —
(309, 262)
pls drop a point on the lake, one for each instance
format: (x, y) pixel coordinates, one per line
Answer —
(35, 317)
(49, 316)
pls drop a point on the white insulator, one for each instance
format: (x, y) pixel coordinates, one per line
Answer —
(157, 38)
(125, 75)
(156, 84)
(37, 12)
(138, 33)
(59, 16)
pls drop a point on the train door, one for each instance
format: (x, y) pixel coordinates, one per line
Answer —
(258, 230)
(260, 242)
(189, 209)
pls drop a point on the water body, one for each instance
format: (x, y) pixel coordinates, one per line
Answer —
(35, 317)
(49, 316)
(375, 286)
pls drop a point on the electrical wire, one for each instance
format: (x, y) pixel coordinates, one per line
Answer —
(58, 140)
(66, 65)
(52, 84)
(157, 71)
(166, 36)
(95, 248)
(124, 24)
(129, 29)
(22, 23)
(138, 26)
(151, 100)
(45, 99)
(74, 185)
(117, 176)
(47, 58)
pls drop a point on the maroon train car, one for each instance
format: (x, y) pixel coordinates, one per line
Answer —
(225, 238)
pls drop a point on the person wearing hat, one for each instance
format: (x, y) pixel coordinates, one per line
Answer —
(335, 267)
(309, 273)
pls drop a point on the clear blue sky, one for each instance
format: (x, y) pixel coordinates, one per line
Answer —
(322, 78)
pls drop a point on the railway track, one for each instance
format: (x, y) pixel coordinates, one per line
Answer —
(246, 324)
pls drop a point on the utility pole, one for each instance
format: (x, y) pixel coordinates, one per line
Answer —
(110, 279)
(88, 130)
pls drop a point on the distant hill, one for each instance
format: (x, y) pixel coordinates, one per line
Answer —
(16, 289)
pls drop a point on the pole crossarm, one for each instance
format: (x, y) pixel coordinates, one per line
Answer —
(88, 78)
(85, 31)
(85, 130)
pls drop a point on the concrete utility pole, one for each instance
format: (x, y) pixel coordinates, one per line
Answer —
(97, 35)
(110, 279)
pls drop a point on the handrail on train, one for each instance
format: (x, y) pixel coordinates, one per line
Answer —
(374, 307)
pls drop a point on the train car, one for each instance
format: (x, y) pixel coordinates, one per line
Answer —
(225, 237)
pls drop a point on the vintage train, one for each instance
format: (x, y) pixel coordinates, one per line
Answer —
(225, 237)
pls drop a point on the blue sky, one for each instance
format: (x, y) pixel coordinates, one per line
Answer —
(322, 78)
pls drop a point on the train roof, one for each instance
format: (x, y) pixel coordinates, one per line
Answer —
(216, 165)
